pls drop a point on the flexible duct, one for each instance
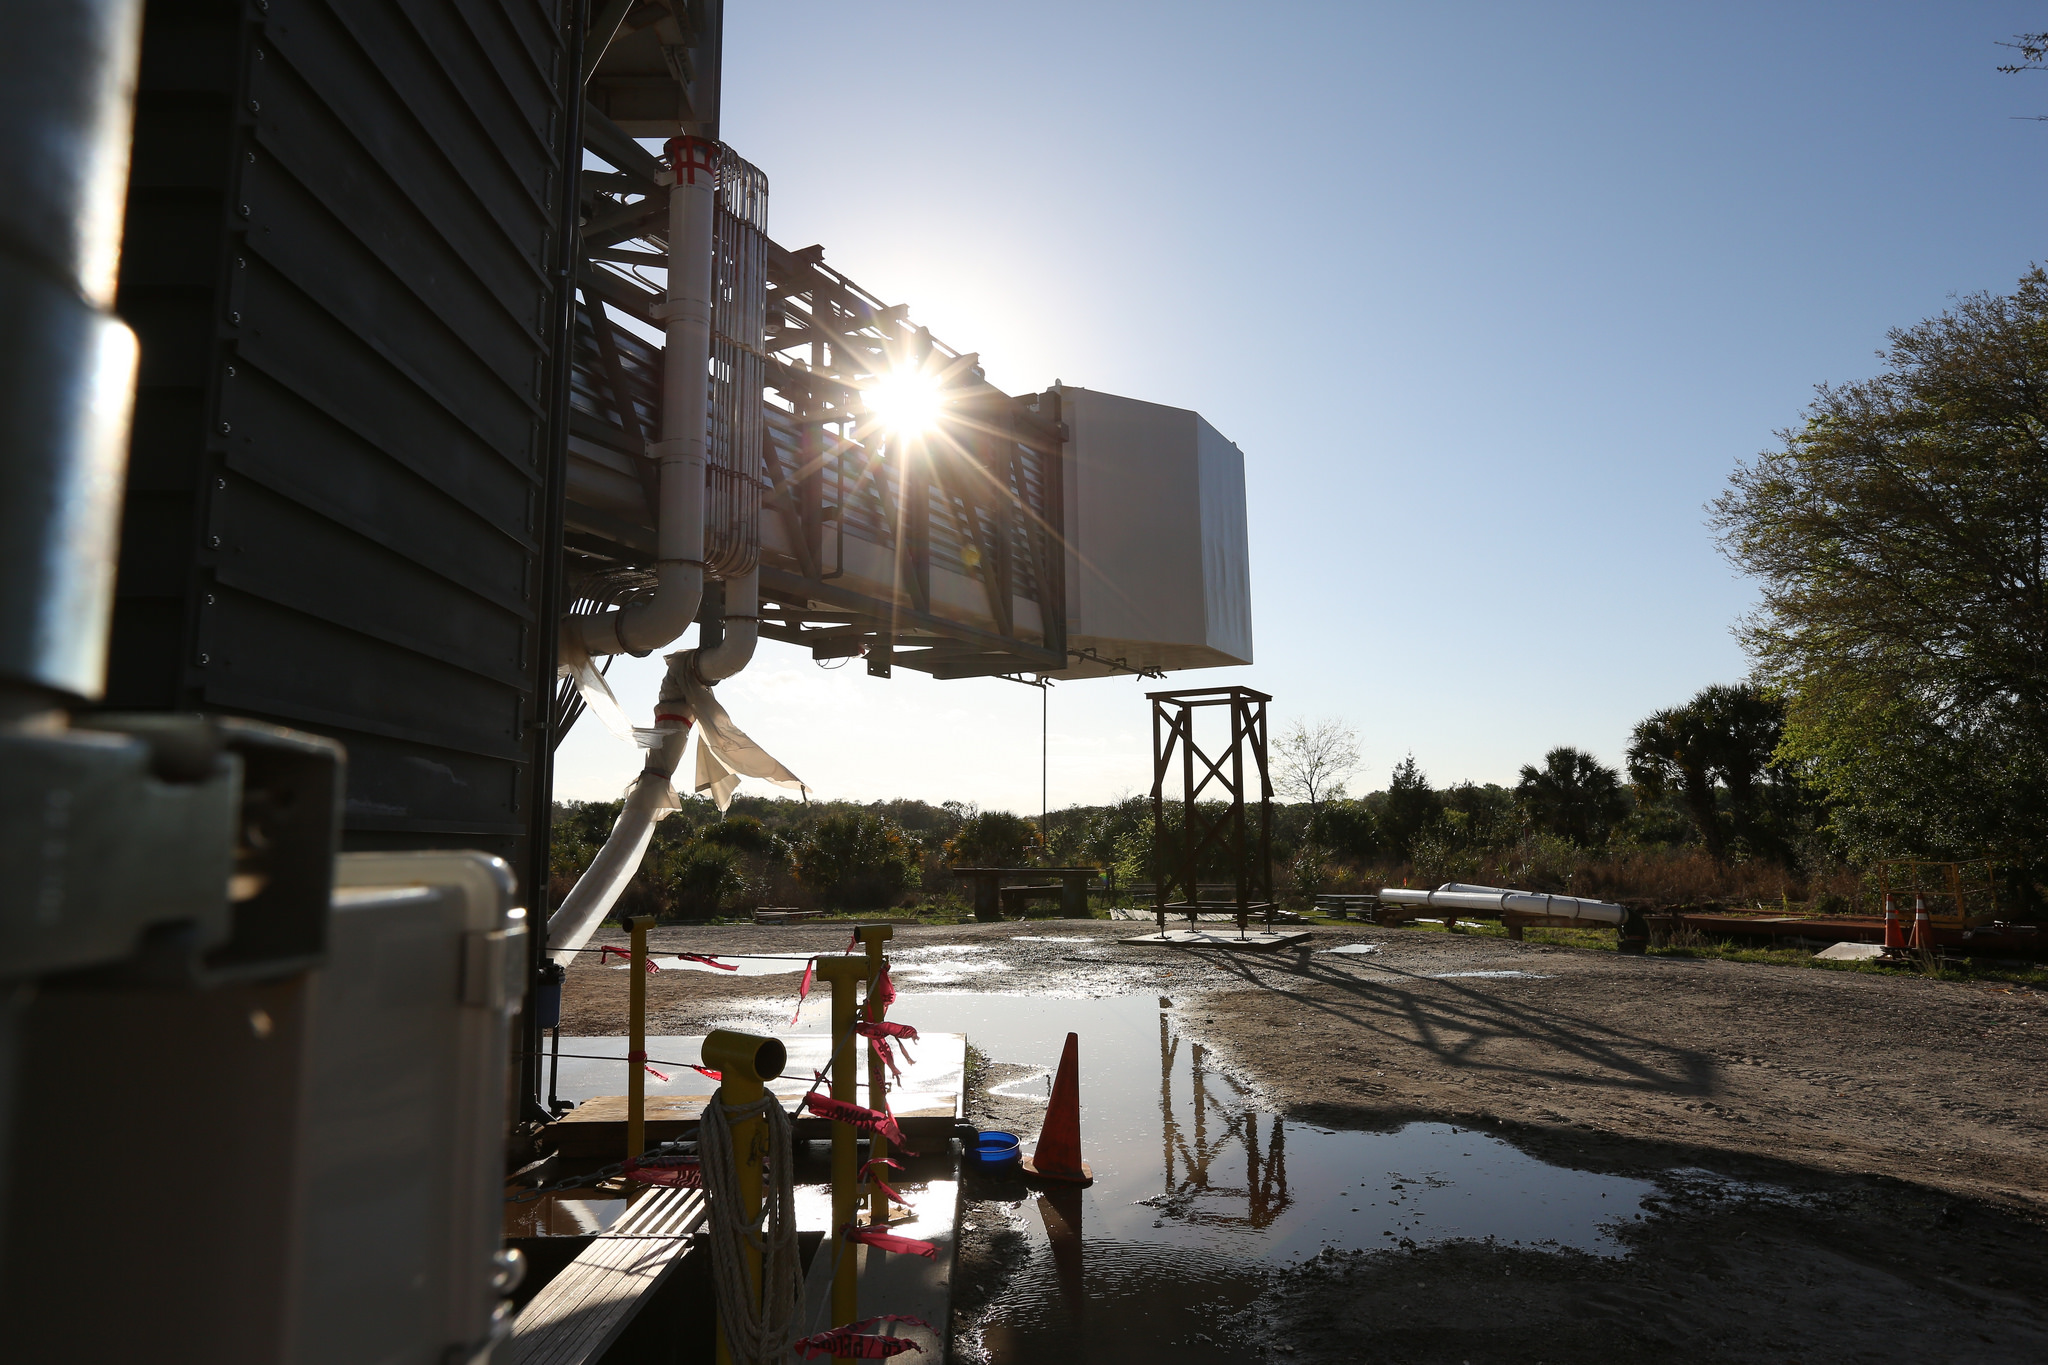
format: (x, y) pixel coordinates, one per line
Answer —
(685, 408)
(651, 796)
(1495, 899)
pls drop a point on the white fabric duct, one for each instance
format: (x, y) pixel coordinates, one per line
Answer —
(725, 753)
(685, 408)
(1462, 896)
(651, 796)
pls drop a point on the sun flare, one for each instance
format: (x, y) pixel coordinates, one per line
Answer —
(906, 401)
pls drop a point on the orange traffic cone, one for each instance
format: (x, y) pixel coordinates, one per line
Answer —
(1923, 929)
(1893, 938)
(1058, 1154)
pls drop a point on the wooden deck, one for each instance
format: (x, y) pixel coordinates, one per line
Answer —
(585, 1307)
(927, 1103)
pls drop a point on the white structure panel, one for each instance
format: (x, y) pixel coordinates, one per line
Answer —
(1158, 568)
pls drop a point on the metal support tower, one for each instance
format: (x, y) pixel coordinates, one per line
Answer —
(1247, 851)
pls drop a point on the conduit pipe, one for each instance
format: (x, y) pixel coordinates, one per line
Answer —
(714, 663)
(1461, 896)
(685, 409)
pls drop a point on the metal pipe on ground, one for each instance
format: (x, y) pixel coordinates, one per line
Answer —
(1455, 896)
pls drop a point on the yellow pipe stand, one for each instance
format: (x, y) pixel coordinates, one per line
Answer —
(745, 1062)
(636, 1047)
(874, 936)
(845, 974)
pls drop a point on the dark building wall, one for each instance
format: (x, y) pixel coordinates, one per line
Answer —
(341, 260)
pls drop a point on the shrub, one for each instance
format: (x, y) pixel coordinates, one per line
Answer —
(993, 838)
(856, 860)
(698, 881)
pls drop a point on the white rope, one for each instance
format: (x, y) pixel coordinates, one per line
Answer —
(755, 1336)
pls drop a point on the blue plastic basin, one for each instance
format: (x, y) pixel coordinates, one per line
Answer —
(997, 1150)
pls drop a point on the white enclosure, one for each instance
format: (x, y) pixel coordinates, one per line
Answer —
(1158, 570)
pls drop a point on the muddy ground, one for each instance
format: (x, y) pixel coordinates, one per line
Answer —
(1893, 1129)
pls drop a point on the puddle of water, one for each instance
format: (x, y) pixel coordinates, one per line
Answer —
(1200, 1192)
(1037, 938)
(743, 966)
(1453, 976)
(1359, 948)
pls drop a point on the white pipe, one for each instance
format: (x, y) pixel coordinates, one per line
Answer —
(651, 796)
(1462, 896)
(742, 630)
(685, 398)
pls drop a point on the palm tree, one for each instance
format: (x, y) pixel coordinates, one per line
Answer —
(1572, 795)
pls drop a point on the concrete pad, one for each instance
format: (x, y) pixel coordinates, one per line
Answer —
(1216, 938)
(1851, 952)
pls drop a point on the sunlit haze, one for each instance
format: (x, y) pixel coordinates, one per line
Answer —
(1492, 298)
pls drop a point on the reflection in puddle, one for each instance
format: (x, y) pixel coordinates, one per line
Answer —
(1201, 1194)
(1453, 976)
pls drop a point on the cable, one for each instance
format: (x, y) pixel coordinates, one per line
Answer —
(755, 1336)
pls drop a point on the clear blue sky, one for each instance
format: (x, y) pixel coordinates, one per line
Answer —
(1492, 297)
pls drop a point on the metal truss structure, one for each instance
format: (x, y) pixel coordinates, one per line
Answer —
(938, 550)
(1246, 849)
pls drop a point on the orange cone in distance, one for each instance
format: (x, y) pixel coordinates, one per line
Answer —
(1923, 929)
(1058, 1154)
(1893, 938)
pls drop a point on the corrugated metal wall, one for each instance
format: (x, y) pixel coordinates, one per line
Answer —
(342, 266)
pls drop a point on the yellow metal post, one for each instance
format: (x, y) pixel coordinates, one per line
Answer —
(874, 936)
(745, 1062)
(636, 1046)
(845, 974)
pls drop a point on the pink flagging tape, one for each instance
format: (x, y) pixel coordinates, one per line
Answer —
(865, 1120)
(803, 988)
(867, 1173)
(641, 1058)
(709, 961)
(851, 1343)
(682, 1175)
(889, 1241)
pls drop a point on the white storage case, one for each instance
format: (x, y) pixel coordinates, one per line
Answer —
(401, 1163)
(1158, 570)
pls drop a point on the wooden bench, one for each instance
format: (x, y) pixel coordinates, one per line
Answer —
(771, 914)
(578, 1314)
(1015, 900)
(990, 893)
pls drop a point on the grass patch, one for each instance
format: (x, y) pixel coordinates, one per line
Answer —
(1690, 944)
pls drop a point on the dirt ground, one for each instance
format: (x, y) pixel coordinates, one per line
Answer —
(1892, 1129)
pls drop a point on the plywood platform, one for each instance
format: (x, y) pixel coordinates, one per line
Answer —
(927, 1102)
(583, 1309)
(1217, 938)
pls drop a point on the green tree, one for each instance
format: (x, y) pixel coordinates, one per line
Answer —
(992, 838)
(854, 859)
(1573, 795)
(1900, 541)
(1406, 807)
(1347, 829)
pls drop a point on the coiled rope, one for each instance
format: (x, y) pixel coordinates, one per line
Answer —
(756, 1336)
